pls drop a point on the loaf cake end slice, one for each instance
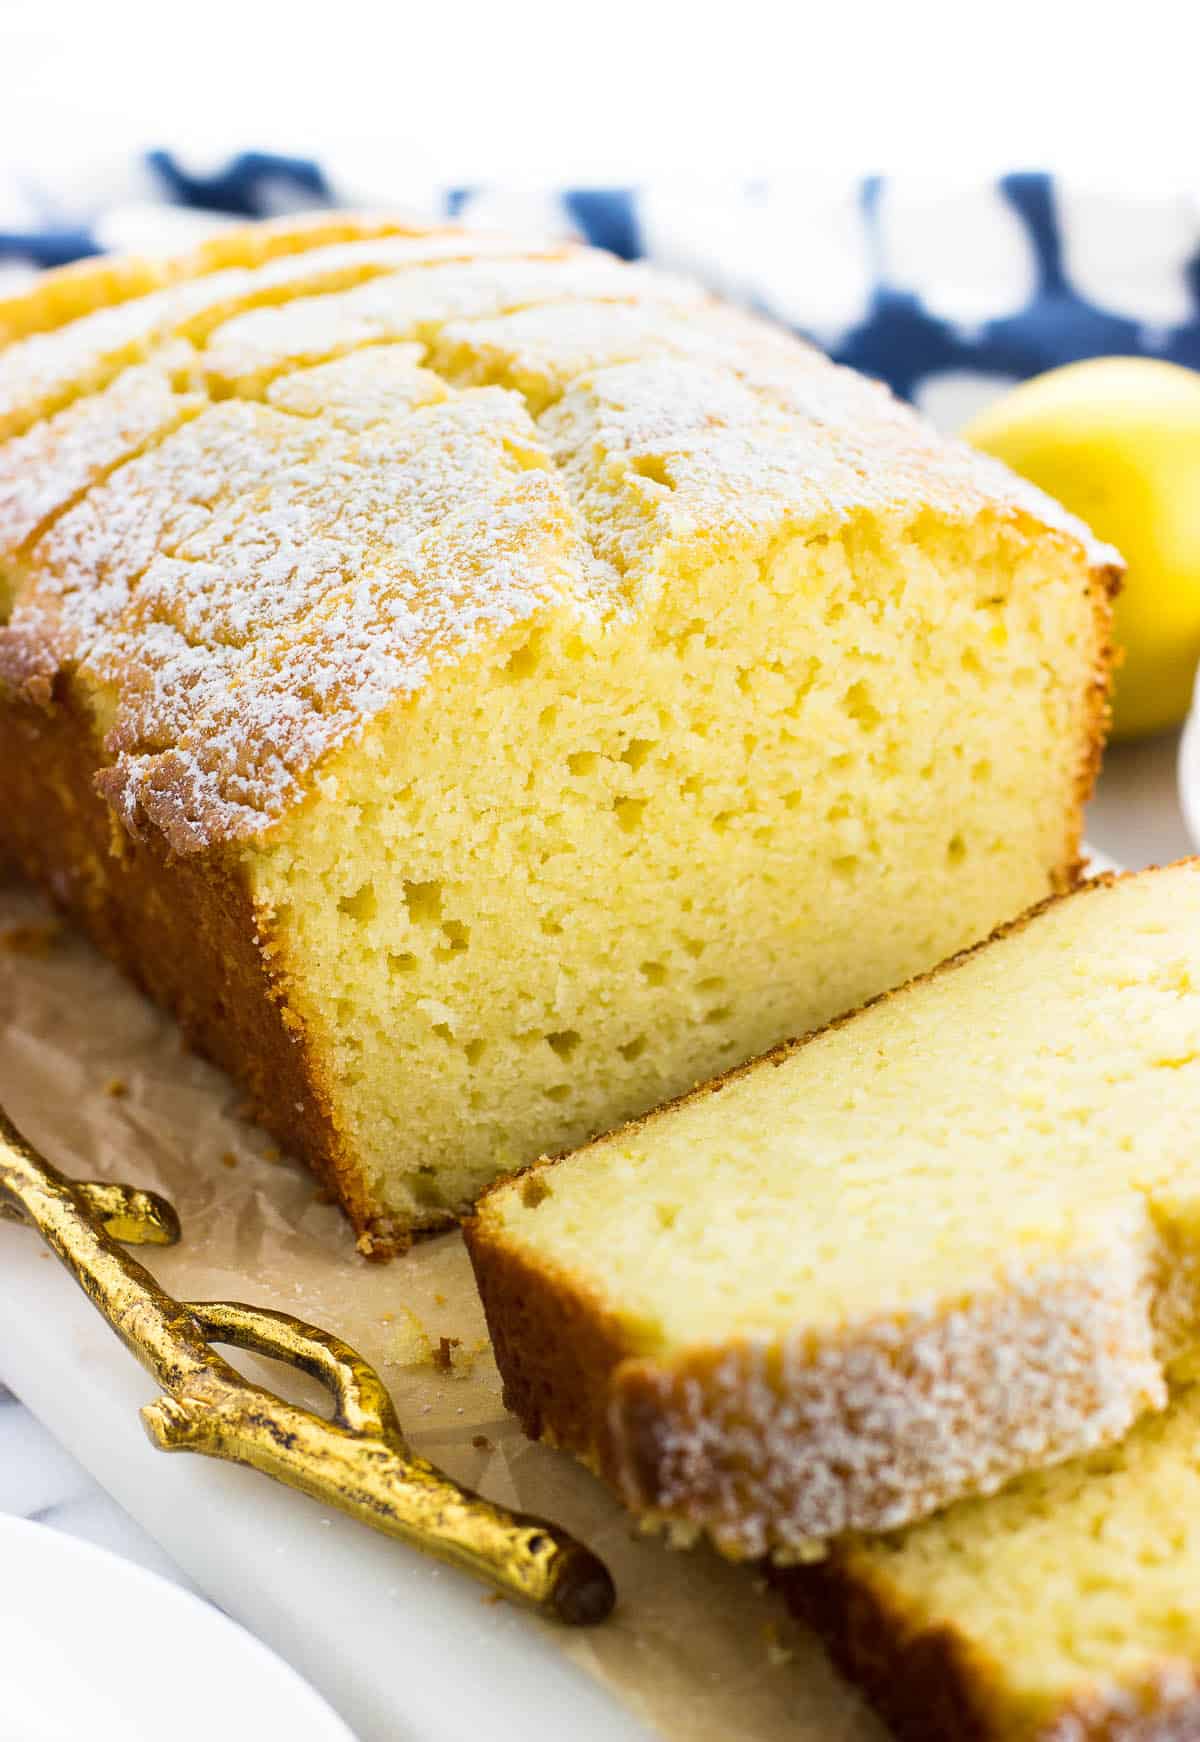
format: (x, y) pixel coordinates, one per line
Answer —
(1061, 1610)
(947, 1239)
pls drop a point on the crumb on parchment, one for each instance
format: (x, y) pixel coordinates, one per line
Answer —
(413, 1345)
(409, 1344)
(443, 1355)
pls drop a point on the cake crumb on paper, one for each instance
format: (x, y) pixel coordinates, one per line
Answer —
(410, 1344)
(443, 1355)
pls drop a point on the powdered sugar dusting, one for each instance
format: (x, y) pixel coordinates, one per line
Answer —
(416, 303)
(41, 471)
(363, 388)
(776, 1448)
(751, 441)
(261, 584)
(40, 374)
(239, 598)
(1162, 1705)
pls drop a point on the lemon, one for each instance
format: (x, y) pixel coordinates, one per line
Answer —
(1117, 440)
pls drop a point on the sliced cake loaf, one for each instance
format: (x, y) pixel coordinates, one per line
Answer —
(1061, 1610)
(485, 688)
(949, 1238)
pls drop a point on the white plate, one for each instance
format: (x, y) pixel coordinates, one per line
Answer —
(91, 1645)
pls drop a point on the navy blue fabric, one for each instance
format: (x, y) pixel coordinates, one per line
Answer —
(248, 186)
(905, 345)
(50, 247)
(607, 218)
(898, 336)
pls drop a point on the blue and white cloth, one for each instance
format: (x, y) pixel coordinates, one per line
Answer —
(947, 292)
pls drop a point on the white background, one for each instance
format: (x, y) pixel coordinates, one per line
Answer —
(450, 91)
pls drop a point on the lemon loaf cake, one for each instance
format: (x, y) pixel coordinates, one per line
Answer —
(949, 1238)
(1061, 1610)
(484, 688)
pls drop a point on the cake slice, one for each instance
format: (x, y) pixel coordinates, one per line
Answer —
(1062, 1610)
(947, 1239)
(484, 688)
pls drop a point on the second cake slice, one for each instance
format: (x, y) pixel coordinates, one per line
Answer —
(1062, 1610)
(946, 1240)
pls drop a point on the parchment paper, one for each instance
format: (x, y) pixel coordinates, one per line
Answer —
(100, 1080)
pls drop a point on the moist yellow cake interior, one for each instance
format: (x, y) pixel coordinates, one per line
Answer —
(702, 723)
(600, 777)
(1073, 1584)
(1037, 1102)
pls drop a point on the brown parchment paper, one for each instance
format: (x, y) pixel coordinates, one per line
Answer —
(100, 1080)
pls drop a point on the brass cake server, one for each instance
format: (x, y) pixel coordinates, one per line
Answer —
(358, 1461)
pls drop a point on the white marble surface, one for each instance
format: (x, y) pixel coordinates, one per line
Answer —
(40, 1480)
(1135, 818)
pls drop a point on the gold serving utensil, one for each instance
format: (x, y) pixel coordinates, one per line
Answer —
(358, 1461)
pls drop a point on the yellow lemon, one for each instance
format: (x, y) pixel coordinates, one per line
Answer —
(1117, 440)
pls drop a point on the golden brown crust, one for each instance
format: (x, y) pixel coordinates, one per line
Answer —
(184, 930)
(556, 1348)
(932, 1684)
(1105, 582)
(923, 1681)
